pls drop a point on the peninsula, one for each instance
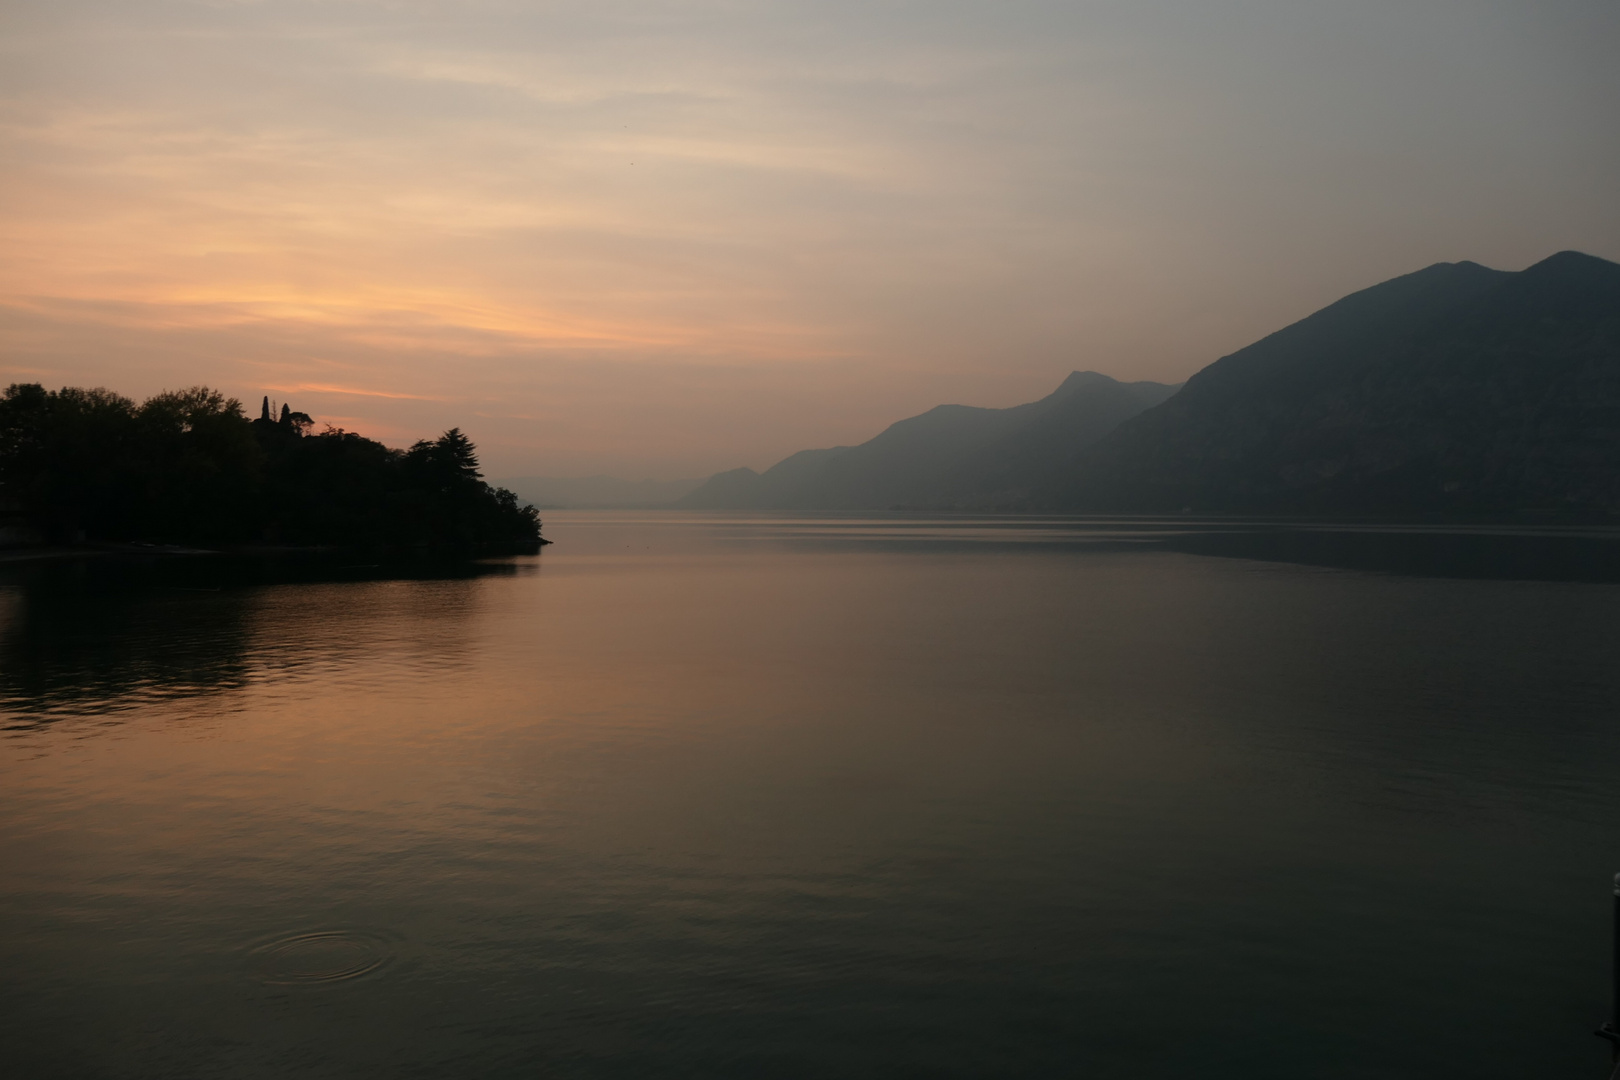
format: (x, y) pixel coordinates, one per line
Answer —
(187, 467)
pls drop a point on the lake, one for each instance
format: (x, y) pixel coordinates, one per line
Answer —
(731, 796)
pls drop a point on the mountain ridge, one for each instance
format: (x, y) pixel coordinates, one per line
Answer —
(939, 459)
(1455, 389)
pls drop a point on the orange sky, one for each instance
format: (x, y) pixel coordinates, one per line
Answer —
(661, 239)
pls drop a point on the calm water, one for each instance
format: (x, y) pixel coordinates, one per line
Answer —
(728, 798)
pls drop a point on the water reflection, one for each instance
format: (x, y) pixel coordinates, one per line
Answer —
(101, 637)
(1482, 552)
(727, 797)
(1487, 553)
(70, 645)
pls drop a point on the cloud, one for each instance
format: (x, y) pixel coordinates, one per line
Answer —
(349, 391)
(909, 202)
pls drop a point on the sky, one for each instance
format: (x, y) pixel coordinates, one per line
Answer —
(661, 239)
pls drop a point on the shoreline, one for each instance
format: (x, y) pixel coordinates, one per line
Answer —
(62, 552)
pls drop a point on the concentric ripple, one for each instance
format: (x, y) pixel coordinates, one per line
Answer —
(320, 956)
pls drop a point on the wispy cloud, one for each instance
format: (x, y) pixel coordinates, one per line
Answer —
(350, 391)
(591, 212)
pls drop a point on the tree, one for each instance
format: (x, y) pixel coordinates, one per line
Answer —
(202, 466)
(68, 456)
(187, 466)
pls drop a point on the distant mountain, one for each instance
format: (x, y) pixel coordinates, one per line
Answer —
(954, 456)
(598, 492)
(1454, 389)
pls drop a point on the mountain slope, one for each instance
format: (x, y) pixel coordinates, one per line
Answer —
(950, 456)
(597, 492)
(1454, 389)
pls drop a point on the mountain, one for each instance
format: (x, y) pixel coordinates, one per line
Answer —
(597, 492)
(953, 456)
(1454, 389)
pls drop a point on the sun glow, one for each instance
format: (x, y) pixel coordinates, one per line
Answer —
(795, 222)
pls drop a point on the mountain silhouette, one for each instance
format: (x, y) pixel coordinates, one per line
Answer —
(1453, 390)
(1456, 389)
(953, 456)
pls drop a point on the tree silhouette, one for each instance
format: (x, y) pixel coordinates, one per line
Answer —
(187, 466)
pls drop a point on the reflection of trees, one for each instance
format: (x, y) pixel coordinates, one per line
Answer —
(76, 640)
(101, 637)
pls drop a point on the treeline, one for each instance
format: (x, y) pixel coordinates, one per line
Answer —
(189, 467)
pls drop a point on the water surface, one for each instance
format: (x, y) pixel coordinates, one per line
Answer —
(730, 797)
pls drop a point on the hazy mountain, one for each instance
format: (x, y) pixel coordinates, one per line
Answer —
(951, 456)
(597, 492)
(1457, 389)
(1454, 389)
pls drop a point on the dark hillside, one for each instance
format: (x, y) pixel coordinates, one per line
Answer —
(1454, 389)
(953, 456)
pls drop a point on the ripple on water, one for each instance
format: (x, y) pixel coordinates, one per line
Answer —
(320, 956)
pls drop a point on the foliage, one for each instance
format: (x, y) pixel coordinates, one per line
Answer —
(188, 467)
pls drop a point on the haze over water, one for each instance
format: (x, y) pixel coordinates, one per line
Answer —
(708, 796)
